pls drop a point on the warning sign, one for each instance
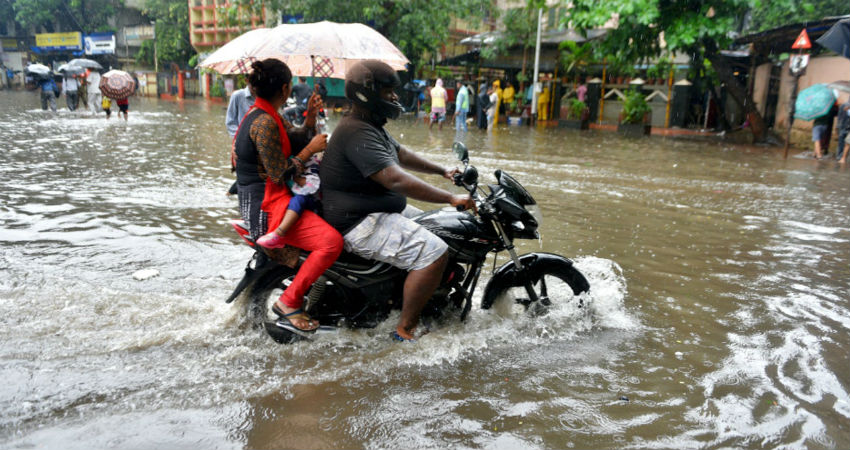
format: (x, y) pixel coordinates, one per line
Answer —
(802, 41)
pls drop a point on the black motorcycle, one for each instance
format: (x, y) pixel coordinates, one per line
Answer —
(358, 293)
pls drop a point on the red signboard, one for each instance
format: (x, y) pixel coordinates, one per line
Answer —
(802, 41)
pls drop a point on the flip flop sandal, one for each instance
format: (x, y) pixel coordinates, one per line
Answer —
(397, 338)
(298, 314)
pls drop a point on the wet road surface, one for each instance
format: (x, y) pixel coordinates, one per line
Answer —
(718, 315)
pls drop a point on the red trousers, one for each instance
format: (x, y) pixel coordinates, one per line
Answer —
(324, 243)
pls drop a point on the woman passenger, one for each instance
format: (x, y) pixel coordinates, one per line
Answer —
(266, 148)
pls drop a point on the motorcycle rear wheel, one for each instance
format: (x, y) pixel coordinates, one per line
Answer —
(554, 284)
(265, 292)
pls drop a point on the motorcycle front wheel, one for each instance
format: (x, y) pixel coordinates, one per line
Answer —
(555, 281)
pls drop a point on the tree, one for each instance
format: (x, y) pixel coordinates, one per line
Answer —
(79, 15)
(767, 14)
(417, 27)
(520, 30)
(172, 33)
(693, 27)
(698, 28)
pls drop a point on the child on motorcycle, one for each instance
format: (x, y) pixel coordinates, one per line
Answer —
(305, 189)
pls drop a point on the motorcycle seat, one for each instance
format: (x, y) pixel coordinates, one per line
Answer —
(350, 261)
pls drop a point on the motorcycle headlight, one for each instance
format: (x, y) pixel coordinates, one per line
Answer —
(536, 213)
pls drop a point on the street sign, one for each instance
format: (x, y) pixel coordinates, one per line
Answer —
(798, 63)
(802, 41)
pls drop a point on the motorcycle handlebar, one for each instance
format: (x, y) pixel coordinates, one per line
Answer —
(457, 179)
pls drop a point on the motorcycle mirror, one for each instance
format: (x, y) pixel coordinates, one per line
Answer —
(461, 152)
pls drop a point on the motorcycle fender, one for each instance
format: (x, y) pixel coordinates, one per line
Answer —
(507, 276)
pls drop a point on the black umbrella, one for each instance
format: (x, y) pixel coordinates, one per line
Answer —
(837, 38)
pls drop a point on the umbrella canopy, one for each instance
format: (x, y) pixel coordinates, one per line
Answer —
(86, 63)
(813, 102)
(324, 49)
(70, 69)
(39, 70)
(837, 38)
(117, 84)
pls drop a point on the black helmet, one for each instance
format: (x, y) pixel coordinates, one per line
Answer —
(363, 84)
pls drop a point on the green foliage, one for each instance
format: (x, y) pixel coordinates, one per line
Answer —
(576, 108)
(661, 69)
(79, 15)
(635, 107)
(767, 14)
(172, 33)
(688, 25)
(417, 27)
(217, 90)
(695, 27)
(575, 57)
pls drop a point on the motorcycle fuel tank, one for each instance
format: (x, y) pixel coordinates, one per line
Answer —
(466, 235)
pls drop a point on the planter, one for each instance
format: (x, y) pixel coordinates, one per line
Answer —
(574, 124)
(633, 129)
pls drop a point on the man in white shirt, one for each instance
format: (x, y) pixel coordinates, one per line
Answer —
(240, 102)
(70, 86)
(93, 90)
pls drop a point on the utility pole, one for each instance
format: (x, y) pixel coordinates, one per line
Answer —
(155, 58)
(797, 66)
(536, 64)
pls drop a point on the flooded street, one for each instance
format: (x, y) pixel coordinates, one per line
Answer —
(718, 316)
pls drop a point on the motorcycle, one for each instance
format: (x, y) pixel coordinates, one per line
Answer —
(296, 114)
(358, 293)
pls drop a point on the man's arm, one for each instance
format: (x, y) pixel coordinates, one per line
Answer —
(412, 161)
(232, 121)
(396, 179)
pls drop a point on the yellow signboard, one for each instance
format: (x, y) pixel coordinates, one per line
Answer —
(73, 40)
(9, 43)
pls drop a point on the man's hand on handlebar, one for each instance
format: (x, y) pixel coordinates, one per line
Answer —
(463, 202)
(450, 173)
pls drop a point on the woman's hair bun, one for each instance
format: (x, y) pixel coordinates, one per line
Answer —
(257, 67)
(268, 76)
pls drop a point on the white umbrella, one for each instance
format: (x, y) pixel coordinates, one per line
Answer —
(39, 70)
(324, 49)
(86, 63)
(70, 69)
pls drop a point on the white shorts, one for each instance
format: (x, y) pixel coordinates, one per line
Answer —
(396, 240)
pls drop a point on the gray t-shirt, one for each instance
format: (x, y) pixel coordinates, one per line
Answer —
(357, 149)
(301, 92)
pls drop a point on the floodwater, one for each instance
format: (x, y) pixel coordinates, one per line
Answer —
(718, 315)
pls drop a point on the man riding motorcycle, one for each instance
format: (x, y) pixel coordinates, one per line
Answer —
(365, 187)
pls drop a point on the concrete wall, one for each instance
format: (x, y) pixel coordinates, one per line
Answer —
(760, 90)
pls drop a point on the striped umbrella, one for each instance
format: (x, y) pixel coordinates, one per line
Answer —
(117, 84)
(322, 49)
